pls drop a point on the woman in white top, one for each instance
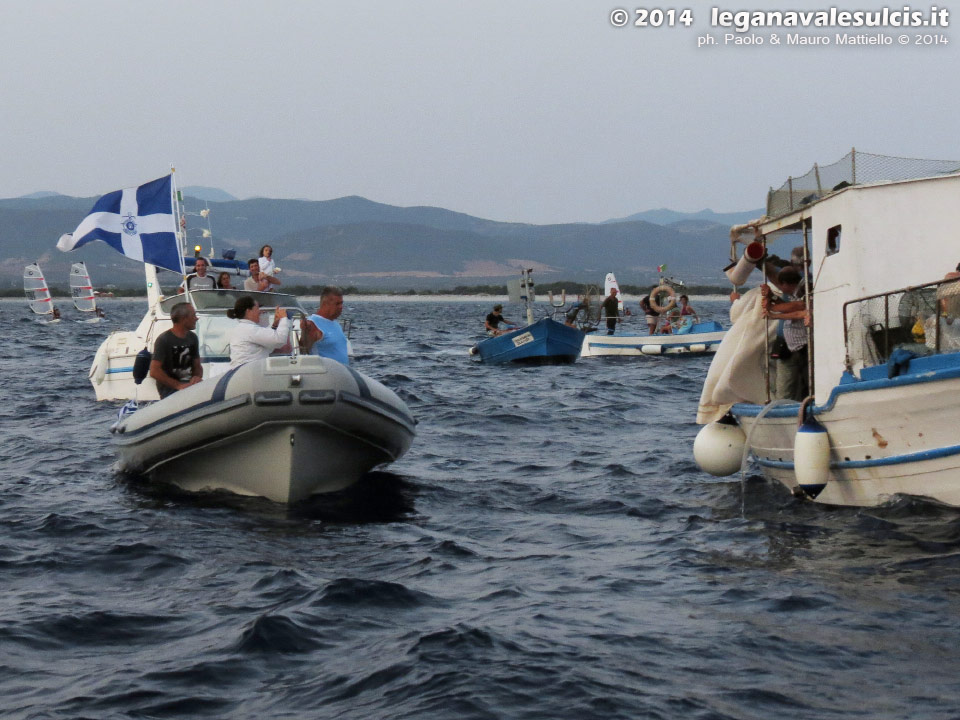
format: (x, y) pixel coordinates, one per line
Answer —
(267, 265)
(249, 340)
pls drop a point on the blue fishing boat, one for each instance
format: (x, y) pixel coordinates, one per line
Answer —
(544, 342)
(541, 342)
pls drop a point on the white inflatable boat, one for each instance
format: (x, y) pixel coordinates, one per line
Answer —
(283, 428)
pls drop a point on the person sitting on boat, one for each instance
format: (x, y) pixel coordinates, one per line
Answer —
(792, 381)
(199, 280)
(687, 309)
(321, 334)
(248, 339)
(652, 316)
(267, 265)
(492, 322)
(223, 281)
(258, 282)
(176, 353)
(948, 316)
(611, 308)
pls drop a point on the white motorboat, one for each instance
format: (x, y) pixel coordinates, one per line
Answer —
(111, 372)
(283, 428)
(884, 343)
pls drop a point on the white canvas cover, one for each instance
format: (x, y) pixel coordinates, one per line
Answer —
(737, 371)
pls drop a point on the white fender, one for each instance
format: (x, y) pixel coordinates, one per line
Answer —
(718, 448)
(651, 349)
(811, 456)
(698, 347)
(99, 368)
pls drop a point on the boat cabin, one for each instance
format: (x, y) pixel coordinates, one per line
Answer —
(879, 253)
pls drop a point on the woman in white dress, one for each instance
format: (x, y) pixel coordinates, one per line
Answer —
(248, 339)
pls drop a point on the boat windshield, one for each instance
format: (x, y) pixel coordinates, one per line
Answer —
(219, 301)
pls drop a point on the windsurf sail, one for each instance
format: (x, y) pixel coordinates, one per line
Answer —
(36, 290)
(81, 288)
(609, 283)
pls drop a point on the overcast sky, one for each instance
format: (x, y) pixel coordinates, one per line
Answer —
(518, 110)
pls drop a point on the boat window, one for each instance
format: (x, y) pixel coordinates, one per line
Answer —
(213, 332)
(833, 240)
(213, 300)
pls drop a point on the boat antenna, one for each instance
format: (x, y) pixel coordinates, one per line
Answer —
(526, 292)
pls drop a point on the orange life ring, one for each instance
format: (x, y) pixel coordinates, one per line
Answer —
(670, 302)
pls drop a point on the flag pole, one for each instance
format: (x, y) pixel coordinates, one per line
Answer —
(179, 218)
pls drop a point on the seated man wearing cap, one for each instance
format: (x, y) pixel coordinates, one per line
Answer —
(492, 323)
(321, 334)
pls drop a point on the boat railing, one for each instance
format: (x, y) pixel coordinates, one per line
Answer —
(921, 319)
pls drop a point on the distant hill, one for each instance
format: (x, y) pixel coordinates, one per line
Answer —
(663, 216)
(207, 193)
(356, 241)
(39, 194)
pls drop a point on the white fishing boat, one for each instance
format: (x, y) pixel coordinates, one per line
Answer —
(285, 427)
(884, 369)
(38, 293)
(81, 290)
(675, 334)
(689, 338)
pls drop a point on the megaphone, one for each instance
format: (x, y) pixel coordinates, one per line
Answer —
(738, 272)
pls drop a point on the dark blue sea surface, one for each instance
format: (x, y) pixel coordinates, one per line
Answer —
(547, 549)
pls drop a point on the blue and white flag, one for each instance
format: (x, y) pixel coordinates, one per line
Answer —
(137, 222)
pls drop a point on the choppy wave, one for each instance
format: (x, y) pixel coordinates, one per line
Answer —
(547, 549)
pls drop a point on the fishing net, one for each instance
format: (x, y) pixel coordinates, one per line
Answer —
(853, 169)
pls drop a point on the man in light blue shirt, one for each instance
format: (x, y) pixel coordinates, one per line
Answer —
(321, 334)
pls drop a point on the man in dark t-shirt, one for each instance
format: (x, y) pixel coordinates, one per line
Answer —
(176, 353)
(492, 323)
(611, 308)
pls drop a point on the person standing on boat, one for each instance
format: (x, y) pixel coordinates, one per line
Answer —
(321, 334)
(492, 322)
(258, 282)
(652, 316)
(176, 353)
(611, 308)
(199, 280)
(248, 339)
(791, 381)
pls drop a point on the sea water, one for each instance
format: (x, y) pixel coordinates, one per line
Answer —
(547, 549)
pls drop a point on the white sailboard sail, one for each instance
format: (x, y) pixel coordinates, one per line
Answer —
(81, 288)
(36, 290)
(609, 283)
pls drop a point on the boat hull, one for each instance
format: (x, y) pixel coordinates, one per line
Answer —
(281, 428)
(887, 438)
(703, 339)
(544, 342)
